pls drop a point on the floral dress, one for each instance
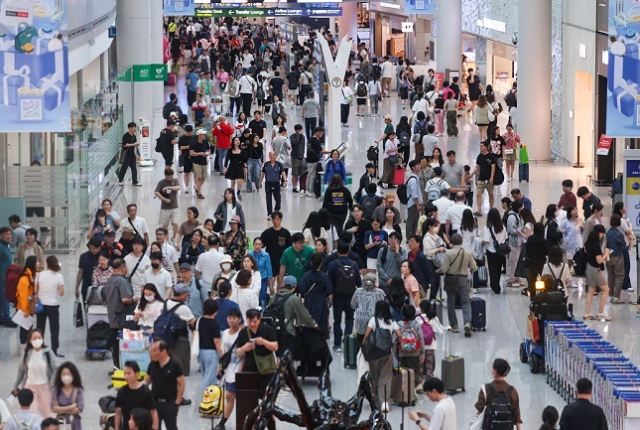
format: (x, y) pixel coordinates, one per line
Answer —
(236, 246)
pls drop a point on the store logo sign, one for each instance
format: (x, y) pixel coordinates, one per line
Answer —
(492, 24)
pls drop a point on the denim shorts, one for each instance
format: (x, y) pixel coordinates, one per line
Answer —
(230, 387)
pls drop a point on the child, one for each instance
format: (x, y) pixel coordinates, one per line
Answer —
(468, 182)
(523, 171)
(412, 348)
(428, 317)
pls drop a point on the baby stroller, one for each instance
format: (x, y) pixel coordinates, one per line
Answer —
(549, 305)
(108, 417)
(98, 328)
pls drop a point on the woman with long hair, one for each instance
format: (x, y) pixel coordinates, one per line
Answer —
(207, 334)
(594, 276)
(235, 166)
(226, 210)
(552, 229)
(149, 307)
(25, 292)
(332, 233)
(481, 117)
(550, 418)
(241, 123)
(403, 131)
(380, 370)
(390, 223)
(494, 232)
(249, 263)
(317, 291)
(436, 158)
(49, 284)
(30, 247)
(397, 297)
(102, 271)
(191, 252)
(235, 242)
(68, 395)
(621, 210)
(263, 264)
(313, 229)
(374, 239)
(100, 225)
(571, 235)
(556, 267)
(35, 372)
(390, 150)
(255, 154)
(617, 244)
(188, 227)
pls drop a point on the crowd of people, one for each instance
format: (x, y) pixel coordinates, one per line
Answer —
(351, 260)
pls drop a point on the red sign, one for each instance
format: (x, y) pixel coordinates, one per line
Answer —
(604, 144)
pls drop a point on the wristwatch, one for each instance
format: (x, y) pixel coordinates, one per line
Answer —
(418, 423)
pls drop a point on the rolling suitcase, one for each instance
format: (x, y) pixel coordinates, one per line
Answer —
(478, 314)
(398, 176)
(403, 382)
(481, 277)
(452, 372)
(172, 80)
(350, 350)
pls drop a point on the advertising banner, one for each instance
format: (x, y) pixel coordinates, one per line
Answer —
(419, 6)
(34, 71)
(179, 7)
(631, 192)
(604, 145)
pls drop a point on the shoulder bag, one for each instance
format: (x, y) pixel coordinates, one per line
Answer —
(266, 364)
(501, 248)
(195, 342)
(478, 421)
(378, 344)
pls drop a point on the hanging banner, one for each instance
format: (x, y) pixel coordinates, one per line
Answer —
(179, 7)
(419, 6)
(34, 71)
(623, 69)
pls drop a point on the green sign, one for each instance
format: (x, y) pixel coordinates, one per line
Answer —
(149, 72)
(244, 12)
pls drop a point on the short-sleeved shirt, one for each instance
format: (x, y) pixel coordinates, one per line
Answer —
(275, 242)
(165, 379)
(257, 127)
(383, 324)
(128, 139)
(264, 331)
(388, 130)
(171, 195)
(452, 174)
(127, 399)
(87, 263)
(139, 224)
(314, 150)
(444, 415)
(311, 108)
(485, 162)
(593, 250)
(296, 262)
(198, 147)
(208, 330)
(277, 84)
(271, 172)
(118, 288)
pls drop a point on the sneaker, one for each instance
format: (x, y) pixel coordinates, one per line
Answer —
(630, 290)
(295, 190)
(455, 330)
(185, 402)
(467, 330)
(239, 196)
(384, 407)
(269, 218)
(476, 291)
(588, 317)
(337, 349)
(219, 427)
(121, 184)
(137, 184)
(476, 213)
(616, 301)
(201, 197)
(603, 317)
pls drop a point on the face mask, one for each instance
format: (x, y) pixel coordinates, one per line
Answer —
(36, 343)
(149, 298)
(226, 266)
(66, 379)
(155, 265)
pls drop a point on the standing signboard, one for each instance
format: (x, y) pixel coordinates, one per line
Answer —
(631, 187)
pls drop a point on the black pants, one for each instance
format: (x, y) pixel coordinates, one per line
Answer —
(434, 280)
(247, 99)
(338, 221)
(494, 263)
(129, 162)
(53, 314)
(191, 97)
(310, 126)
(237, 103)
(115, 347)
(167, 413)
(344, 113)
(404, 152)
(23, 336)
(341, 304)
(304, 90)
(272, 189)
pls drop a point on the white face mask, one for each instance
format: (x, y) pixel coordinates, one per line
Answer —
(226, 266)
(149, 298)
(66, 379)
(37, 343)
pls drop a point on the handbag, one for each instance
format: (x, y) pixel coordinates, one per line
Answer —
(195, 343)
(478, 421)
(501, 248)
(77, 314)
(65, 421)
(394, 159)
(491, 115)
(266, 364)
(123, 157)
(378, 344)
(225, 360)
(38, 307)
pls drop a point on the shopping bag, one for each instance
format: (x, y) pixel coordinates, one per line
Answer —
(533, 329)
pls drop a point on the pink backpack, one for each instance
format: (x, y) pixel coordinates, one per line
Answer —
(427, 332)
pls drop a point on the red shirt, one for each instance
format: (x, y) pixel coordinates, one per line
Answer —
(412, 255)
(223, 133)
(568, 199)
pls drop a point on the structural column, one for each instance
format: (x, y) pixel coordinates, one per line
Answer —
(449, 35)
(534, 77)
(349, 22)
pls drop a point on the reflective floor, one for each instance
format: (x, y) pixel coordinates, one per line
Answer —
(506, 322)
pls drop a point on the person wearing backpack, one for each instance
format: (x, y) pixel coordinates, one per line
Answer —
(431, 327)
(558, 269)
(24, 419)
(499, 400)
(411, 342)
(403, 131)
(362, 92)
(345, 278)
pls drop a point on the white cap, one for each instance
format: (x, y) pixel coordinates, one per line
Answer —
(200, 132)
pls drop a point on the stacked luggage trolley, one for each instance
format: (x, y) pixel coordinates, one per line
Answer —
(573, 351)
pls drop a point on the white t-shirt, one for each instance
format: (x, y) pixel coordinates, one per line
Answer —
(235, 364)
(247, 84)
(48, 282)
(162, 280)
(443, 204)
(500, 237)
(209, 265)
(388, 69)
(374, 88)
(137, 280)
(454, 214)
(37, 368)
(183, 312)
(150, 314)
(246, 298)
(430, 142)
(420, 106)
(347, 95)
(138, 224)
(246, 60)
(444, 415)
(383, 324)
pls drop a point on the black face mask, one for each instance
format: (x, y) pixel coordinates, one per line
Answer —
(155, 265)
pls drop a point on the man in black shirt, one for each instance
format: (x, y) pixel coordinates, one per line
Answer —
(166, 141)
(293, 80)
(199, 151)
(582, 414)
(298, 143)
(276, 239)
(185, 163)
(358, 226)
(258, 125)
(314, 154)
(129, 144)
(87, 262)
(276, 85)
(133, 395)
(486, 164)
(588, 201)
(167, 384)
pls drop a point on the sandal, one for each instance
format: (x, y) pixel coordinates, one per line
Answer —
(588, 317)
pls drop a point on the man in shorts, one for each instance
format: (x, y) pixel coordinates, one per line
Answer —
(486, 164)
(199, 151)
(167, 191)
(293, 86)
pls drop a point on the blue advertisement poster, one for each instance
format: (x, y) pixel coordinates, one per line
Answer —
(419, 6)
(34, 70)
(179, 7)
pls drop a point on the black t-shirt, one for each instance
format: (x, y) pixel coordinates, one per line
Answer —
(166, 136)
(87, 263)
(127, 139)
(497, 146)
(127, 399)
(165, 379)
(208, 329)
(313, 150)
(257, 127)
(593, 250)
(185, 141)
(277, 84)
(275, 243)
(264, 331)
(199, 147)
(485, 162)
(292, 79)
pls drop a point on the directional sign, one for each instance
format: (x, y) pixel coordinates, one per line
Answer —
(217, 12)
(273, 12)
(323, 12)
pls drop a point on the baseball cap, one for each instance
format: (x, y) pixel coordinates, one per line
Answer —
(387, 116)
(174, 114)
(180, 288)
(185, 266)
(290, 280)
(369, 166)
(201, 132)
(437, 171)
(235, 219)
(127, 229)
(109, 233)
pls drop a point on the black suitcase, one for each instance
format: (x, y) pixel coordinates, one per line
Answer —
(350, 350)
(99, 336)
(478, 314)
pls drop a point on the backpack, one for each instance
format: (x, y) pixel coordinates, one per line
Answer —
(498, 413)
(433, 189)
(404, 138)
(275, 317)
(409, 340)
(361, 90)
(369, 204)
(167, 327)
(558, 283)
(428, 335)
(401, 191)
(376, 71)
(166, 111)
(346, 280)
(510, 99)
(13, 278)
(579, 262)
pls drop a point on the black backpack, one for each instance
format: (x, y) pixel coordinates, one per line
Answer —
(166, 111)
(579, 262)
(346, 280)
(274, 315)
(369, 204)
(98, 335)
(361, 90)
(404, 138)
(376, 71)
(401, 191)
(510, 99)
(498, 414)
(167, 327)
(558, 283)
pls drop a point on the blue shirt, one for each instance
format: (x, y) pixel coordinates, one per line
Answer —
(6, 258)
(193, 81)
(334, 168)
(526, 202)
(224, 306)
(616, 242)
(263, 260)
(343, 261)
(413, 190)
(196, 298)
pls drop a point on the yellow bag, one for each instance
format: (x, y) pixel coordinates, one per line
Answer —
(212, 403)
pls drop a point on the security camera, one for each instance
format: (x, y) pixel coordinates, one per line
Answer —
(514, 39)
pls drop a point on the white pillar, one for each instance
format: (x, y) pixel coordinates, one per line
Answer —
(534, 77)
(349, 23)
(449, 35)
(157, 57)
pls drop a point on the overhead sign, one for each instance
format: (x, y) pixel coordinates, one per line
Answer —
(271, 12)
(419, 6)
(179, 7)
(149, 72)
(241, 12)
(407, 27)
